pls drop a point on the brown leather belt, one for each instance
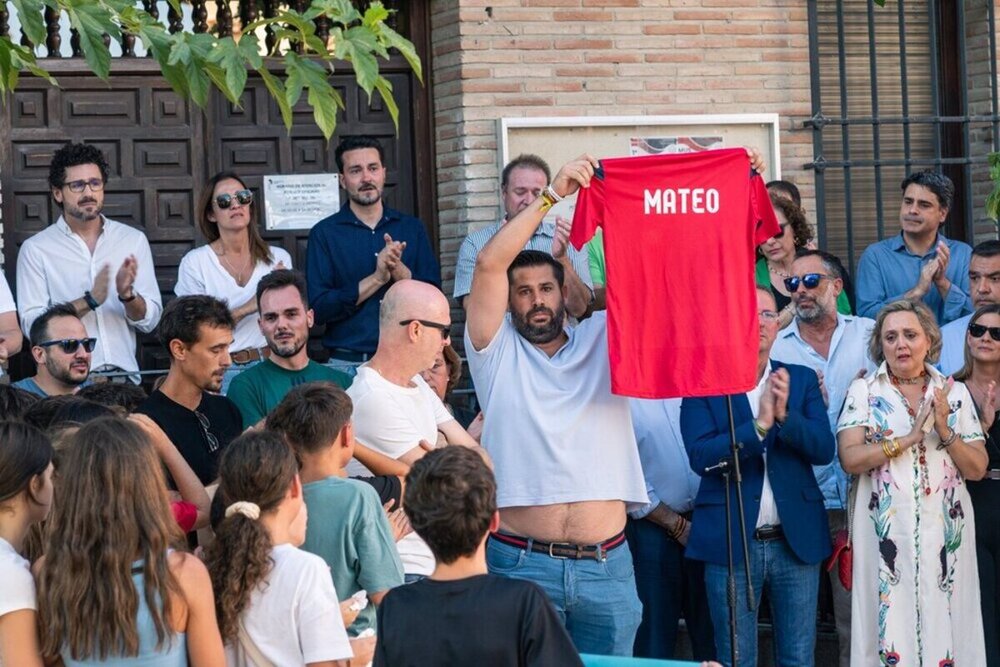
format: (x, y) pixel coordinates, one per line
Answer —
(563, 550)
(250, 354)
(765, 533)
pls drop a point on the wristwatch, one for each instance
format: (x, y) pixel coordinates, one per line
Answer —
(91, 301)
(549, 198)
(129, 299)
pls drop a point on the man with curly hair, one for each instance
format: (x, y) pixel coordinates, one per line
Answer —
(84, 258)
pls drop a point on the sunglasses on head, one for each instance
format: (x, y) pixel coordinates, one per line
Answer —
(810, 281)
(71, 345)
(224, 201)
(978, 331)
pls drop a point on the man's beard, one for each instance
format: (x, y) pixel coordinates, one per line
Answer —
(365, 197)
(811, 313)
(287, 349)
(65, 375)
(543, 333)
(81, 214)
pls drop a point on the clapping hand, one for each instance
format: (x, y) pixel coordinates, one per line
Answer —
(560, 242)
(125, 278)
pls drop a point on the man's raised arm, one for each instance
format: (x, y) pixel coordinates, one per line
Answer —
(486, 304)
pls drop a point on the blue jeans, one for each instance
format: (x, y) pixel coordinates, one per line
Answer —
(793, 588)
(232, 372)
(670, 587)
(596, 600)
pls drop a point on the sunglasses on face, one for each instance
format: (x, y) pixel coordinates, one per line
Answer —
(978, 331)
(224, 201)
(71, 345)
(810, 281)
(445, 329)
(96, 185)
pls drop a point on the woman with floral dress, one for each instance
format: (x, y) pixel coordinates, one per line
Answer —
(912, 437)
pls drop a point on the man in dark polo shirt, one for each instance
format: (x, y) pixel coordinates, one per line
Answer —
(356, 253)
(197, 332)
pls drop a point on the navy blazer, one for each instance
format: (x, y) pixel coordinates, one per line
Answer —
(803, 441)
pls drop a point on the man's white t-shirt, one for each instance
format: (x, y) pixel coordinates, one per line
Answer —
(294, 616)
(392, 420)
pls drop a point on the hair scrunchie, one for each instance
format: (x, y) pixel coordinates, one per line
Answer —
(247, 509)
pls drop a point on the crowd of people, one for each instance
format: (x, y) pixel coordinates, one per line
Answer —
(259, 507)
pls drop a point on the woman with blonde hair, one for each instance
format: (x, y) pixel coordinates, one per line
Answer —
(912, 438)
(276, 604)
(111, 591)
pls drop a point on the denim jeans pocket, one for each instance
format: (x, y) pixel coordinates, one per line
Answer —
(503, 558)
(619, 566)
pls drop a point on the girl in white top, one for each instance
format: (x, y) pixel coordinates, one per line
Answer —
(25, 498)
(234, 260)
(276, 604)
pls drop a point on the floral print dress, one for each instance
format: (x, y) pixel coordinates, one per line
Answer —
(915, 598)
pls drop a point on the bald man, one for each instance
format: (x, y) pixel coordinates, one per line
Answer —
(396, 413)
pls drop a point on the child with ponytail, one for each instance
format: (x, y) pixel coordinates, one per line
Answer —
(276, 604)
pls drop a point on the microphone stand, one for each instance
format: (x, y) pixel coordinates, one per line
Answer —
(730, 469)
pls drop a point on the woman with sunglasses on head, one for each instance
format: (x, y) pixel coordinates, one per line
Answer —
(230, 265)
(777, 254)
(981, 374)
(111, 590)
(25, 498)
(912, 439)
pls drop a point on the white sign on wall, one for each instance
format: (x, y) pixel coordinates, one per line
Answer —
(299, 201)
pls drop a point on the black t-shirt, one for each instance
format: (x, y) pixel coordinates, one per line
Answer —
(196, 437)
(388, 487)
(483, 620)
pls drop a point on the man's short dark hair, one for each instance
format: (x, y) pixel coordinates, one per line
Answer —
(527, 258)
(525, 161)
(934, 181)
(39, 332)
(830, 262)
(14, 401)
(280, 278)
(787, 188)
(74, 155)
(123, 395)
(311, 416)
(354, 143)
(986, 249)
(450, 499)
(182, 318)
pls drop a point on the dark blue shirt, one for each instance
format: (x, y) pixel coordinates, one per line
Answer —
(342, 251)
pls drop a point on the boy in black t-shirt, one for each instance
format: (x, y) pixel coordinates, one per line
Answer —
(461, 615)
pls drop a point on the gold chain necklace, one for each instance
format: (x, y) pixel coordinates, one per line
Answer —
(232, 270)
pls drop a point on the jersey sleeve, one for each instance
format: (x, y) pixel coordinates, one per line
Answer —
(761, 211)
(589, 213)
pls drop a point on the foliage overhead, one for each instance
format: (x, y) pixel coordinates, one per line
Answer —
(195, 63)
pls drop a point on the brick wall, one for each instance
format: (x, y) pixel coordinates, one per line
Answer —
(497, 58)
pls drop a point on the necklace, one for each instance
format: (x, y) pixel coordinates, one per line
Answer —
(925, 482)
(896, 380)
(780, 274)
(238, 275)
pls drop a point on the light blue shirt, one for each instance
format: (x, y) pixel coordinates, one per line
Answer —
(953, 345)
(888, 270)
(665, 465)
(848, 355)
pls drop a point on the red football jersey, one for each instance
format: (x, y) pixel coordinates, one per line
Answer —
(680, 232)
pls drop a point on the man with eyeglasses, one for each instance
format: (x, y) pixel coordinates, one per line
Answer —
(62, 351)
(102, 267)
(784, 430)
(197, 332)
(984, 288)
(836, 347)
(358, 252)
(395, 412)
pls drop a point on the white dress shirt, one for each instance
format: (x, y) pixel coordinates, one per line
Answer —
(6, 301)
(56, 266)
(665, 464)
(953, 345)
(768, 514)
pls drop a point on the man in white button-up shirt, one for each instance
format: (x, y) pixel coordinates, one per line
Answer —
(104, 268)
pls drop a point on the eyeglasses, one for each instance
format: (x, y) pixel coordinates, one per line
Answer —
(224, 201)
(810, 281)
(445, 329)
(781, 231)
(978, 331)
(213, 442)
(95, 184)
(768, 315)
(71, 345)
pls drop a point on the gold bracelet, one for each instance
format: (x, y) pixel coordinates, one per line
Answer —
(885, 449)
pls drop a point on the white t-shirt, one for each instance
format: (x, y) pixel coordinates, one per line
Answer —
(294, 617)
(6, 300)
(201, 272)
(553, 428)
(392, 420)
(17, 591)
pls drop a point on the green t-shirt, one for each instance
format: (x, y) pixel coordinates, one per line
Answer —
(595, 255)
(347, 528)
(256, 391)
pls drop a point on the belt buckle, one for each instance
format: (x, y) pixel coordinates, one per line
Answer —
(559, 544)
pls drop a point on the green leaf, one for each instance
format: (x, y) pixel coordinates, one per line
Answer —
(29, 14)
(338, 11)
(8, 73)
(180, 52)
(324, 104)
(228, 56)
(323, 98)
(384, 88)
(376, 14)
(198, 83)
(92, 21)
(176, 4)
(250, 49)
(880, 3)
(277, 90)
(405, 47)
